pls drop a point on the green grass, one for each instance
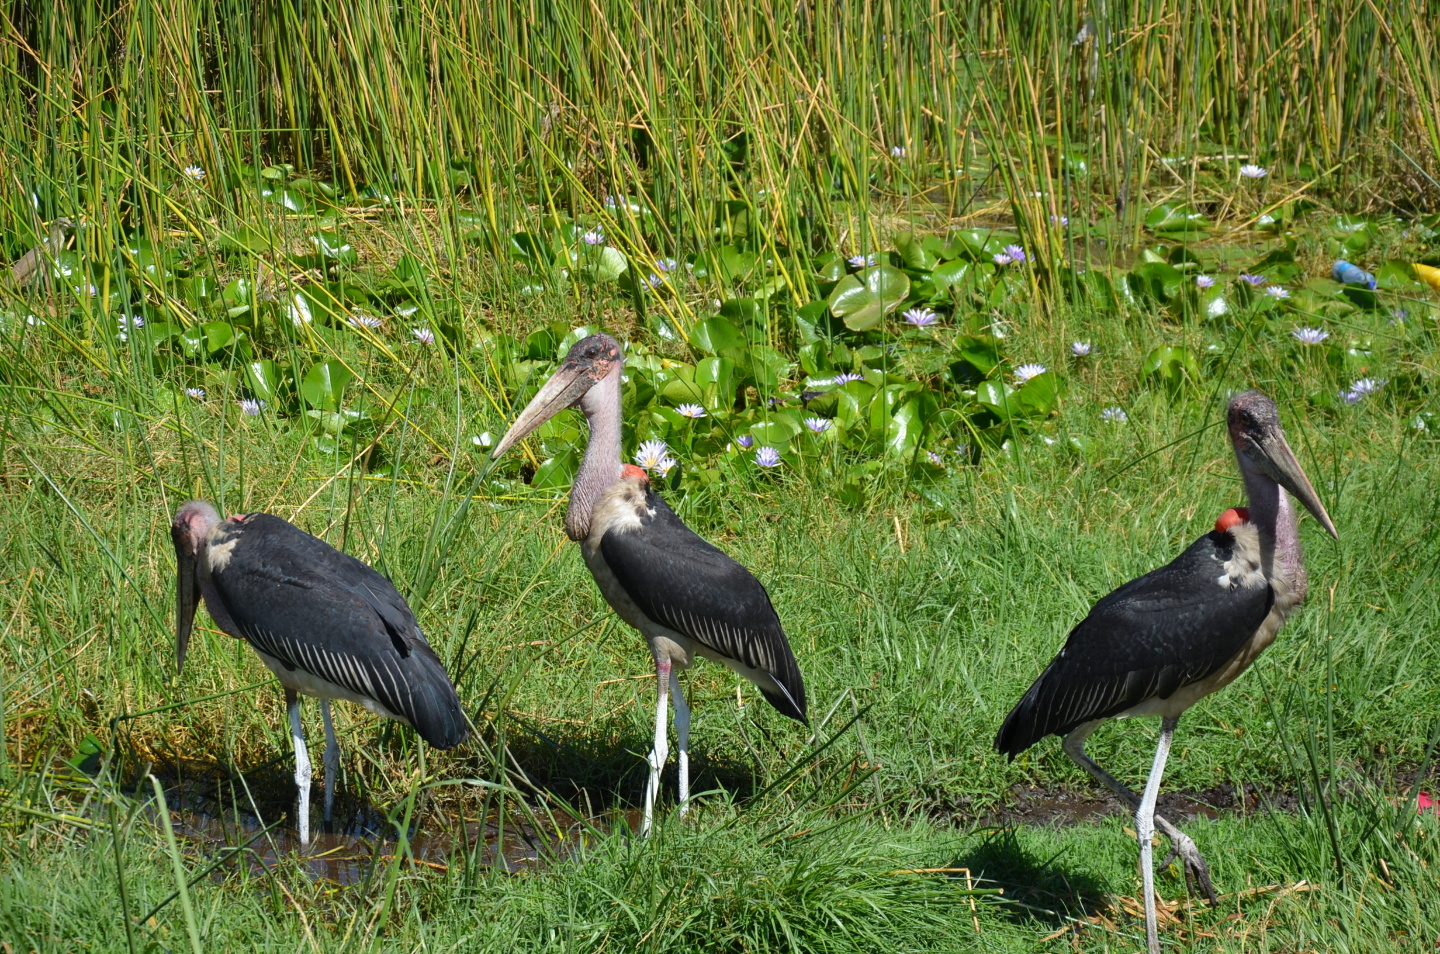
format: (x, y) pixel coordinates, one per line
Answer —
(920, 602)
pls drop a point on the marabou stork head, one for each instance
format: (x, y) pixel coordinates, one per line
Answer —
(1260, 446)
(588, 363)
(190, 531)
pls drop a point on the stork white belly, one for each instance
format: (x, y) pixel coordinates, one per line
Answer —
(309, 684)
(1251, 566)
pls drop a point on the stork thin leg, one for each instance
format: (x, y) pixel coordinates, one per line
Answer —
(1145, 830)
(302, 763)
(661, 751)
(1181, 845)
(332, 758)
(682, 733)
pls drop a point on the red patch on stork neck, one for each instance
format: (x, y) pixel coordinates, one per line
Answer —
(631, 472)
(237, 517)
(1231, 518)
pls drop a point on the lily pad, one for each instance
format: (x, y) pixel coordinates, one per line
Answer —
(862, 300)
(324, 385)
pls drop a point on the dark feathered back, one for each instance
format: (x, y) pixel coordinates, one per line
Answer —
(1167, 629)
(298, 599)
(680, 581)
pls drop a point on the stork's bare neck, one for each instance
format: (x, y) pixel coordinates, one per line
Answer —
(601, 466)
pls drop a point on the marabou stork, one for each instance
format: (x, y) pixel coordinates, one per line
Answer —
(325, 623)
(685, 597)
(1162, 642)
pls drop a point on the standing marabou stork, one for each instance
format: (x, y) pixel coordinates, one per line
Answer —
(1160, 643)
(325, 623)
(684, 596)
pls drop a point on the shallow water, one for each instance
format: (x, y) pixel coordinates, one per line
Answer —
(346, 850)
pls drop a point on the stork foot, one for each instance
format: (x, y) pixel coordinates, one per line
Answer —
(1197, 872)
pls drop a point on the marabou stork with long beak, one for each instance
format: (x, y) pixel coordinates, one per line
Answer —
(685, 597)
(325, 623)
(1160, 643)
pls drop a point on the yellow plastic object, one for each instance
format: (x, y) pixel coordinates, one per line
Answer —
(1427, 274)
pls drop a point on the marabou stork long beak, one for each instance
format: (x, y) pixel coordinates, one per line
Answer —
(187, 593)
(1278, 461)
(566, 386)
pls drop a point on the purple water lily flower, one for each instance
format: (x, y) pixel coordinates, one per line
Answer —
(767, 457)
(819, 425)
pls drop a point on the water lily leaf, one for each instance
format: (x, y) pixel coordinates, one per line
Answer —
(1175, 217)
(1215, 302)
(830, 268)
(682, 391)
(263, 379)
(1039, 395)
(958, 272)
(246, 238)
(604, 263)
(776, 432)
(1156, 281)
(531, 249)
(980, 352)
(557, 473)
(760, 365)
(906, 429)
(983, 244)
(852, 399)
(996, 396)
(914, 252)
(323, 387)
(1172, 367)
(334, 247)
(717, 334)
(714, 376)
(862, 300)
(746, 313)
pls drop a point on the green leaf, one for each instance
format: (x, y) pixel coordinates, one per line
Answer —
(557, 473)
(775, 433)
(997, 397)
(324, 385)
(981, 352)
(1039, 395)
(331, 245)
(1172, 367)
(717, 334)
(263, 379)
(862, 300)
(746, 313)
(1175, 217)
(914, 253)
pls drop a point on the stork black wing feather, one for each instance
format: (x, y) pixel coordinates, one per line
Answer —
(685, 583)
(299, 600)
(1151, 637)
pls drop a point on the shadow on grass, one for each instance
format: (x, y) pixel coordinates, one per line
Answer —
(599, 767)
(1036, 888)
